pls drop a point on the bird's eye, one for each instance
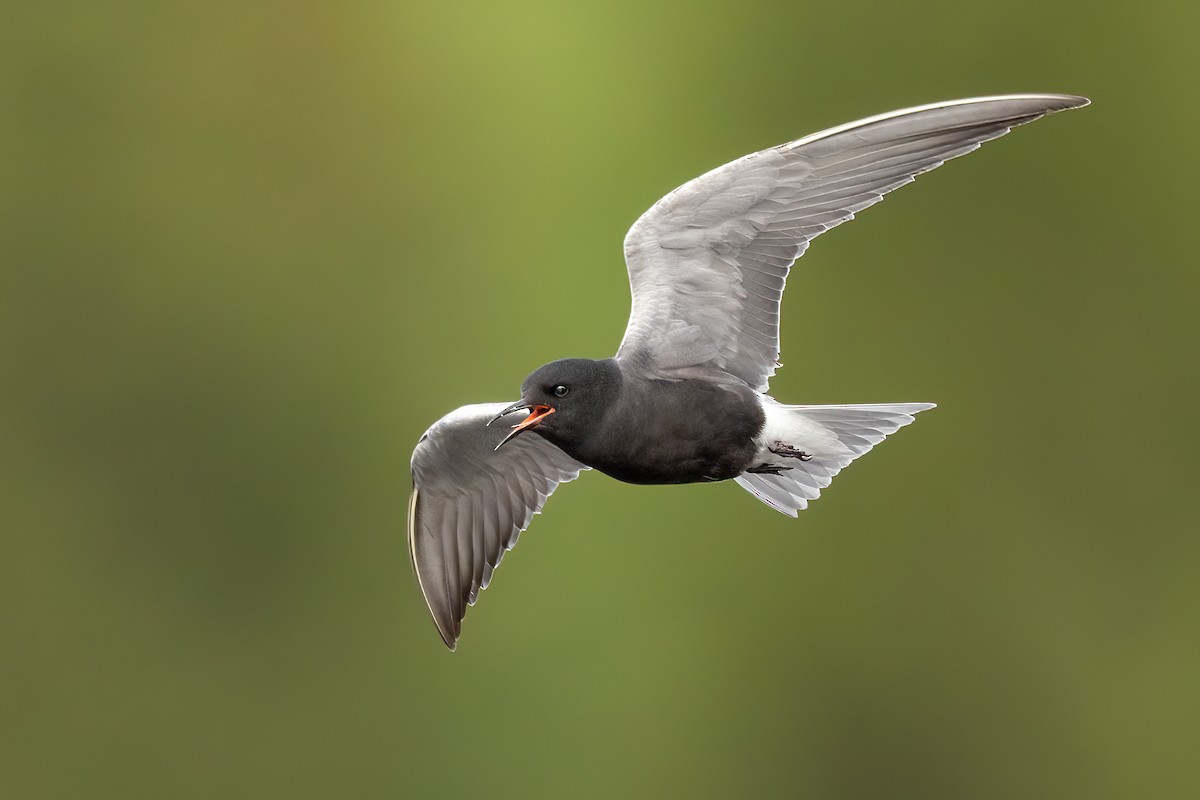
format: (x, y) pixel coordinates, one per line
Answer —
(560, 391)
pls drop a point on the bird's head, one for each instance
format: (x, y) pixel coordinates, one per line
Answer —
(565, 399)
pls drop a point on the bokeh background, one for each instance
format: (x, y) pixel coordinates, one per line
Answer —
(249, 252)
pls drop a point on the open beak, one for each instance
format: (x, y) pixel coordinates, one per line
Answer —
(517, 406)
(536, 414)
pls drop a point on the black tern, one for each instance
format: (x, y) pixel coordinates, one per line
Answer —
(684, 398)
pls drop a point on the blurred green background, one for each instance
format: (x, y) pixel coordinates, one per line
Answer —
(249, 253)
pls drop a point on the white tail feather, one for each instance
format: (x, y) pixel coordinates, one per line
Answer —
(809, 445)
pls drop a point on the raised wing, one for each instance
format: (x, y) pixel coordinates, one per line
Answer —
(707, 263)
(470, 502)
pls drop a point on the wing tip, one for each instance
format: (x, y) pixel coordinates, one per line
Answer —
(1073, 100)
(446, 627)
(1034, 106)
(442, 619)
(1054, 101)
(1057, 101)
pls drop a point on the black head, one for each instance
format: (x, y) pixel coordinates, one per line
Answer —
(567, 398)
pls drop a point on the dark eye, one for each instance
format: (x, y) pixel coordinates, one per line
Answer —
(560, 391)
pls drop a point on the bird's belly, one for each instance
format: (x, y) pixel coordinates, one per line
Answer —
(696, 453)
(667, 471)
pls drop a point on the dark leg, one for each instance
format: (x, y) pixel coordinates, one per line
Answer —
(768, 469)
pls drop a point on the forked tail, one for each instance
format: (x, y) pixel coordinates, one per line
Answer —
(803, 447)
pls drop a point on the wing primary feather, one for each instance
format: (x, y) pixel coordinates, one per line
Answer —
(450, 564)
(478, 546)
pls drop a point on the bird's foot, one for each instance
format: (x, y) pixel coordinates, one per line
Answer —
(787, 451)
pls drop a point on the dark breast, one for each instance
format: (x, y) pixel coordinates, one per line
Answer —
(675, 432)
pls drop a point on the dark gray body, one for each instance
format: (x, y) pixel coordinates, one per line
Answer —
(650, 430)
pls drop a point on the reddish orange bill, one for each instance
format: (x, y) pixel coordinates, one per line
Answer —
(537, 414)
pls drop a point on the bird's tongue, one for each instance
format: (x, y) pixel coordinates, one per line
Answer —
(536, 414)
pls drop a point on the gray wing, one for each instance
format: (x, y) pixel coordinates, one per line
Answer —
(470, 502)
(707, 263)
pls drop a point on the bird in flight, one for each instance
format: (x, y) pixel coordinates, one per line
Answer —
(684, 398)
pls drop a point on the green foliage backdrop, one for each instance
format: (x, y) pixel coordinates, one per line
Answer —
(249, 252)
